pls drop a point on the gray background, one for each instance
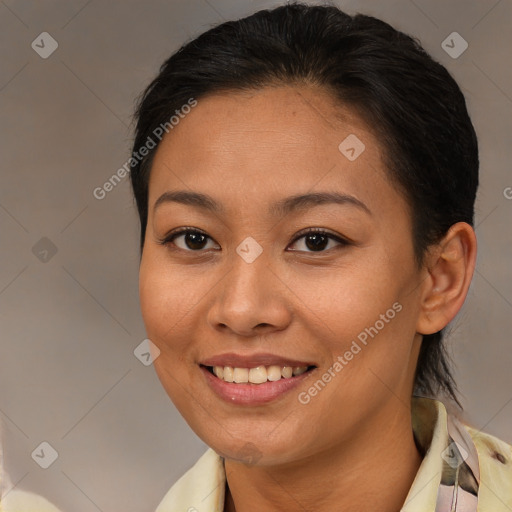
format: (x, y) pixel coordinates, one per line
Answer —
(69, 325)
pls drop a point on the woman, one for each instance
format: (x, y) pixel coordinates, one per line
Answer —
(305, 182)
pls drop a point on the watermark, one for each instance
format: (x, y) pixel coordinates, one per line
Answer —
(341, 361)
(44, 45)
(249, 454)
(44, 250)
(351, 147)
(45, 455)
(454, 45)
(137, 156)
(146, 352)
(249, 249)
(454, 454)
(507, 192)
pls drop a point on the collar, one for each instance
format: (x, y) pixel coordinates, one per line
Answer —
(463, 470)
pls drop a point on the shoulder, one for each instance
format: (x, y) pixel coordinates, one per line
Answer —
(495, 464)
(491, 449)
(490, 441)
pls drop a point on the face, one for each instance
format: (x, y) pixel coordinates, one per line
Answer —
(265, 282)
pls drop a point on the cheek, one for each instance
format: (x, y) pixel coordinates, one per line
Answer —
(162, 306)
(378, 352)
(164, 302)
(347, 299)
(364, 313)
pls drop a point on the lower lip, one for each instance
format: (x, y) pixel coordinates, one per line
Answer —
(252, 394)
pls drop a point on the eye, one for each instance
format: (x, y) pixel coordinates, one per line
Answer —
(318, 239)
(193, 240)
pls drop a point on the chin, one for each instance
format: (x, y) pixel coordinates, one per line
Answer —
(256, 451)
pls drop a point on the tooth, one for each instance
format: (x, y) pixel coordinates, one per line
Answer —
(240, 375)
(258, 375)
(228, 374)
(286, 372)
(273, 373)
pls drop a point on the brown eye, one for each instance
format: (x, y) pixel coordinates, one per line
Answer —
(318, 240)
(192, 240)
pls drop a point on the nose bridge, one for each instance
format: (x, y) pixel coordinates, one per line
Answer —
(248, 275)
(249, 293)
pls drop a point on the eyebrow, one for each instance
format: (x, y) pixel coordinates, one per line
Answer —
(298, 202)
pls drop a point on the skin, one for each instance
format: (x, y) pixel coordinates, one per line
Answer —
(248, 150)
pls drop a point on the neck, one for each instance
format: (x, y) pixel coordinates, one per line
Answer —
(377, 467)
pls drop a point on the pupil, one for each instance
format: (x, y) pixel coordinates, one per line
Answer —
(195, 240)
(316, 244)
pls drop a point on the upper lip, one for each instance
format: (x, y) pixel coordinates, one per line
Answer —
(252, 361)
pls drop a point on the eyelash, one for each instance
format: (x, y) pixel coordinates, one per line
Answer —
(169, 239)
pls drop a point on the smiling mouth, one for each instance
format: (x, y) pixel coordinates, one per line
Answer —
(257, 375)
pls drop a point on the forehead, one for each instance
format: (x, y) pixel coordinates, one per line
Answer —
(263, 144)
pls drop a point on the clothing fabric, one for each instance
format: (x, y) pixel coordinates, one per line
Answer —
(15, 500)
(463, 470)
(21, 501)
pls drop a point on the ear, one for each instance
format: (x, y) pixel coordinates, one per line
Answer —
(450, 266)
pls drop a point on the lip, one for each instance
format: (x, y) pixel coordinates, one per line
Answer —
(252, 361)
(252, 394)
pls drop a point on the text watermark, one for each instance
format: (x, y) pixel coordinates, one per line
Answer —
(137, 156)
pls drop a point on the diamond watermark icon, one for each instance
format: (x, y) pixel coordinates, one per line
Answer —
(44, 45)
(44, 250)
(454, 45)
(45, 455)
(146, 352)
(351, 147)
(454, 454)
(249, 454)
(249, 249)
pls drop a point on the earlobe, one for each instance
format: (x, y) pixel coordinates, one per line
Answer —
(450, 267)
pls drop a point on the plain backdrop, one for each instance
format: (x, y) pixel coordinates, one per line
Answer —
(69, 311)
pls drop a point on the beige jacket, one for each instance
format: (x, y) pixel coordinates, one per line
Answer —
(21, 501)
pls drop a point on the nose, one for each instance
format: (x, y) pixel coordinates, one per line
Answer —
(251, 300)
